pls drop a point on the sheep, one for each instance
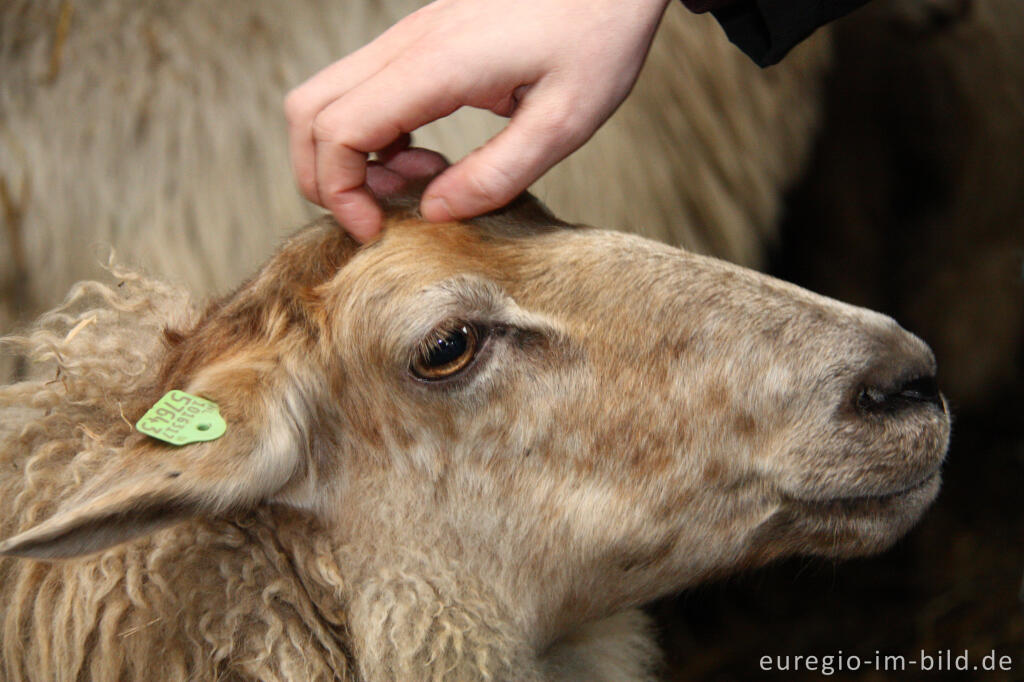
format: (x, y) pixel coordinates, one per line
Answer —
(464, 451)
(176, 148)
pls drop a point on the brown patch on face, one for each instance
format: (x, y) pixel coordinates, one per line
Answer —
(717, 396)
(584, 465)
(366, 430)
(644, 462)
(678, 346)
(714, 471)
(745, 425)
(446, 421)
(645, 453)
(402, 436)
(658, 455)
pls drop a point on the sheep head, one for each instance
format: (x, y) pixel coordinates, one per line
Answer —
(579, 417)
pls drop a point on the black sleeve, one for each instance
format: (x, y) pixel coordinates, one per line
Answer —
(767, 29)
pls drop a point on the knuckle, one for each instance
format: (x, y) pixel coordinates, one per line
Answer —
(297, 106)
(419, 20)
(324, 127)
(344, 202)
(494, 184)
(560, 123)
(307, 185)
(344, 173)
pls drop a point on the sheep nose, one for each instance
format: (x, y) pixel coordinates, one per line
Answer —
(902, 378)
(916, 390)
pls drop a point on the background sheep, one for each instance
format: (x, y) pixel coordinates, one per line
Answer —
(171, 98)
(493, 518)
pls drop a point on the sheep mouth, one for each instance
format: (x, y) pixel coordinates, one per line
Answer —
(874, 502)
(843, 527)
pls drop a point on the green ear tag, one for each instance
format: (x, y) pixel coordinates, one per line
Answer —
(180, 418)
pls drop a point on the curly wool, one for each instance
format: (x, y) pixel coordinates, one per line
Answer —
(241, 598)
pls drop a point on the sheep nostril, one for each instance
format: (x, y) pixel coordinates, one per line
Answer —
(916, 391)
(870, 399)
(921, 390)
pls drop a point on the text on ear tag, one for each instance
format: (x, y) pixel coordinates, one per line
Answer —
(180, 418)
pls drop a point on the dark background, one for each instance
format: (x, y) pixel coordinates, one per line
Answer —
(914, 205)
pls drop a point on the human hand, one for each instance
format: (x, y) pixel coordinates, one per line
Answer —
(558, 68)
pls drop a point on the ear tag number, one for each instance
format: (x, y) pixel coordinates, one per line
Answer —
(180, 418)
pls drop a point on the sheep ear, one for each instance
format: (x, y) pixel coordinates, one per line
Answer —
(153, 485)
(237, 357)
(117, 516)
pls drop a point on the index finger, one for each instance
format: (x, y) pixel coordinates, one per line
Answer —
(304, 102)
(369, 117)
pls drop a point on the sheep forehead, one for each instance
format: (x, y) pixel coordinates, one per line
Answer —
(532, 264)
(592, 283)
(413, 258)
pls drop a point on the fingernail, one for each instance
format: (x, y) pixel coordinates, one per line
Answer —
(436, 209)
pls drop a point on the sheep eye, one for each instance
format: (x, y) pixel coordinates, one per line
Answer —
(445, 352)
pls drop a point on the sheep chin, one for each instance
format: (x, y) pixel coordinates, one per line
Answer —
(846, 527)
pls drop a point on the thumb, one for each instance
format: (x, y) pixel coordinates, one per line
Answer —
(542, 132)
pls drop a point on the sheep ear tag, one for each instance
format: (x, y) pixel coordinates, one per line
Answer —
(180, 418)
